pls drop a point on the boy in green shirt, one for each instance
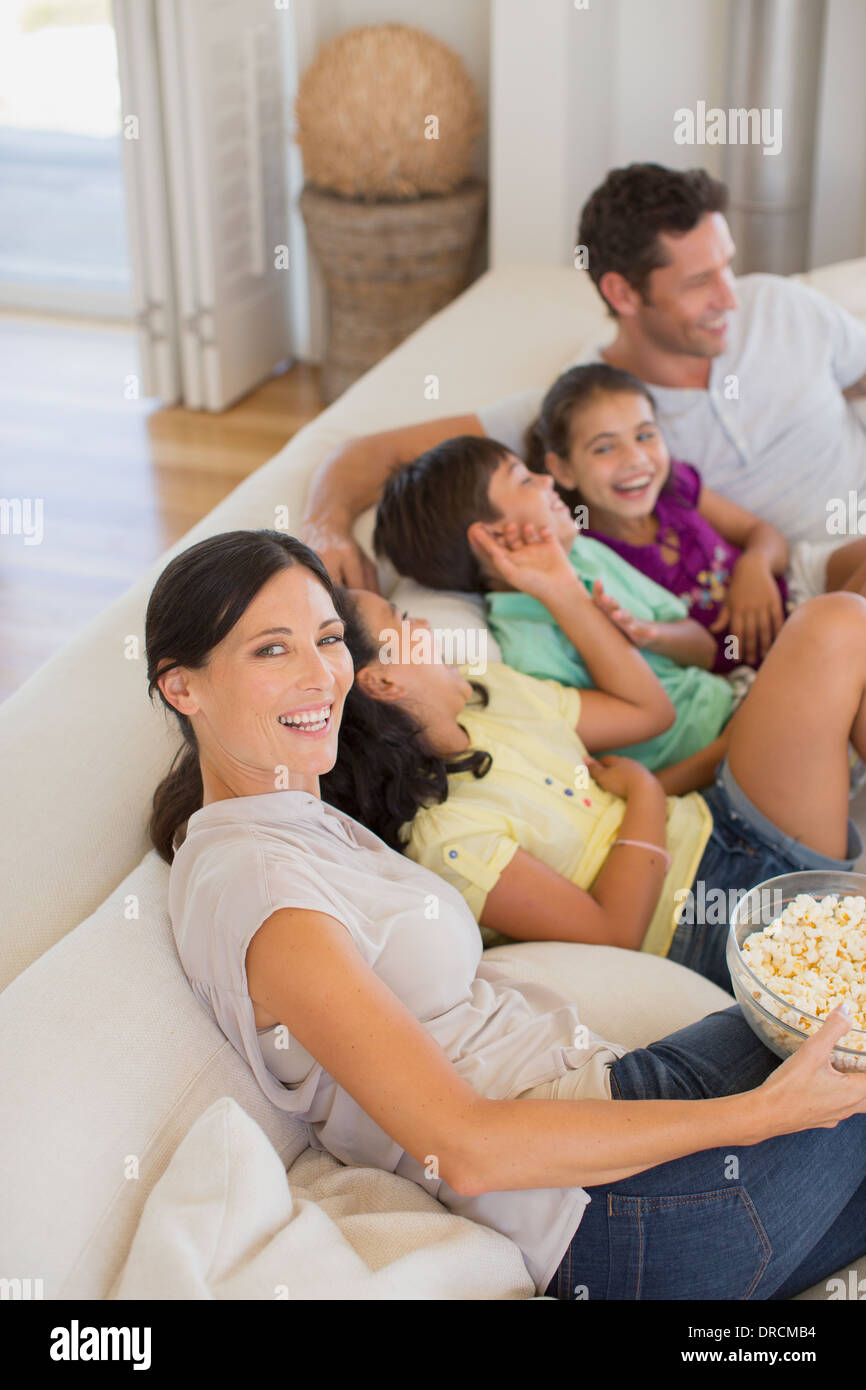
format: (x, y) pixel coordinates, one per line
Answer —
(458, 518)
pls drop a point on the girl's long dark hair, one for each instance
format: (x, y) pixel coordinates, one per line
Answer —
(385, 771)
(195, 602)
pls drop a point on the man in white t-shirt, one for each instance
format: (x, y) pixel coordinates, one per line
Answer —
(753, 378)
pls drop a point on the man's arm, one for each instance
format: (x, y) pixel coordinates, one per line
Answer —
(856, 391)
(351, 479)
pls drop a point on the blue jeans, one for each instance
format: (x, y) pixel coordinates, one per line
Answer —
(744, 849)
(761, 1222)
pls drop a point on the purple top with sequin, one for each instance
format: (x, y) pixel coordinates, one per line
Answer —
(702, 572)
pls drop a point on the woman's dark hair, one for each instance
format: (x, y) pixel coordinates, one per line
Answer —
(195, 602)
(385, 771)
(427, 505)
(570, 393)
(620, 222)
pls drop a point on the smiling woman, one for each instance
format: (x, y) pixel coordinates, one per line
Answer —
(258, 702)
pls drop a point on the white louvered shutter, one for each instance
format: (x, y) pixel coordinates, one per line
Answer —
(225, 129)
(146, 191)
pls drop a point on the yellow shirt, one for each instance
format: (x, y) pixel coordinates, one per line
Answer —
(538, 797)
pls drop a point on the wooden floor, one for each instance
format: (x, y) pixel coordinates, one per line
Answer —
(118, 479)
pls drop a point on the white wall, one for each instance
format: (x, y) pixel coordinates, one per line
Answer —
(581, 91)
(577, 91)
(573, 92)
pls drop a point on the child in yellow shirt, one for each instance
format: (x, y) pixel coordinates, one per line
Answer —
(493, 784)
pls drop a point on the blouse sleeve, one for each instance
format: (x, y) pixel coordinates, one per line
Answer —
(219, 901)
(535, 649)
(564, 700)
(468, 853)
(518, 697)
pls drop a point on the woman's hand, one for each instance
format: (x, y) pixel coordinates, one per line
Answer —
(752, 611)
(641, 633)
(529, 559)
(619, 776)
(807, 1091)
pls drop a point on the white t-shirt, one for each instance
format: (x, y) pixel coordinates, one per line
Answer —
(772, 431)
(245, 857)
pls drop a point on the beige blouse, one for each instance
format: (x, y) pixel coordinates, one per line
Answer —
(245, 857)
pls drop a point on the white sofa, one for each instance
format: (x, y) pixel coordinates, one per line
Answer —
(140, 1159)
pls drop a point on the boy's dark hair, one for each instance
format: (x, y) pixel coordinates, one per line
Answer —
(573, 390)
(621, 220)
(427, 505)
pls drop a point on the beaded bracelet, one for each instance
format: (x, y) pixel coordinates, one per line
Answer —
(642, 844)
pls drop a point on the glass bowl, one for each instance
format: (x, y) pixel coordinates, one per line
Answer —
(768, 1013)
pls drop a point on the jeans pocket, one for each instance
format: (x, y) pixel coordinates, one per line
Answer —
(702, 1245)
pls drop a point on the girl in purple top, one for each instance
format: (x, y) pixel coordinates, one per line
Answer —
(596, 433)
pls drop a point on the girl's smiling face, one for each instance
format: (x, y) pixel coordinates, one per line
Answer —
(618, 460)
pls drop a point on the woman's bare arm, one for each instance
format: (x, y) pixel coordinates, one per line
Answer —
(304, 968)
(351, 479)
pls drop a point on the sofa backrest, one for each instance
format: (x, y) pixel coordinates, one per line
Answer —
(82, 748)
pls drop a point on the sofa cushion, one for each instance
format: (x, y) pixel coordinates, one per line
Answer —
(225, 1222)
(108, 1060)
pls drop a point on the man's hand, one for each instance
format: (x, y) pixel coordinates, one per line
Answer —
(340, 553)
(532, 561)
(641, 633)
(752, 611)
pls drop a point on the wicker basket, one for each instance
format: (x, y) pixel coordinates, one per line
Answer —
(387, 268)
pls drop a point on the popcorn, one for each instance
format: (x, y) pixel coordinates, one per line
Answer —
(812, 957)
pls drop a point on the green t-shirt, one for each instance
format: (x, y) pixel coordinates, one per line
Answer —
(532, 642)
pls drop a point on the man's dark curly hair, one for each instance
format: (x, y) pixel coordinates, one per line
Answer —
(621, 220)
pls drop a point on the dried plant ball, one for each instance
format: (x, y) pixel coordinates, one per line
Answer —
(387, 112)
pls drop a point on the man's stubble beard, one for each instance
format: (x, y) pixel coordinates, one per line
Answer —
(679, 344)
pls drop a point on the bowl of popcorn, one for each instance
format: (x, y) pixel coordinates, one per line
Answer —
(796, 949)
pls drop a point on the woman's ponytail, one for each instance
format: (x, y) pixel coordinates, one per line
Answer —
(178, 795)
